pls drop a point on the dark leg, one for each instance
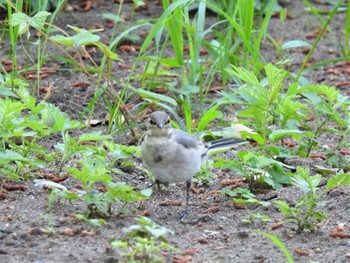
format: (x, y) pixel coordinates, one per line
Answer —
(153, 185)
(188, 187)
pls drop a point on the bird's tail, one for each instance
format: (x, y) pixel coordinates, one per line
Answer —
(225, 143)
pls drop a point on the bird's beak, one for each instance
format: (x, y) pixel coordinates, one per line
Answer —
(160, 125)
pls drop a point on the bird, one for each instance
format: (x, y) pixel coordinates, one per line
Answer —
(174, 156)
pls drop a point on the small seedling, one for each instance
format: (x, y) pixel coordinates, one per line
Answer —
(304, 214)
(245, 197)
(144, 242)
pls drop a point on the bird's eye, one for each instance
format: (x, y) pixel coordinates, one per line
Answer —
(168, 121)
(152, 122)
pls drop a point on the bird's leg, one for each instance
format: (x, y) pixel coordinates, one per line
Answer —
(156, 185)
(188, 187)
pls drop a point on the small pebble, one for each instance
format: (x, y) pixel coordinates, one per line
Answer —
(317, 250)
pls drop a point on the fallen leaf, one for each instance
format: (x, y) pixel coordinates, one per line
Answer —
(239, 206)
(182, 259)
(277, 225)
(12, 187)
(6, 62)
(214, 89)
(197, 190)
(170, 203)
(226, 182)
(302, 252)
(202, 240)
(203, 51)
(290, 144)
(146, 213)
(339, 234)
(318, 155)
(129, 48)
(346, 70)
(34, 231)
(333, 71)
(67, 231)
(212, 210)
(342, 84)
(87, 233)
(191, 251)
(344, 152)
(60, 179)
(81, 84)
(122, 65)
(88, 5)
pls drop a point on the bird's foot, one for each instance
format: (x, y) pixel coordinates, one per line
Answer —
(183, 215)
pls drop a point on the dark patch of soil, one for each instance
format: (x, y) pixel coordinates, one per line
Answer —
(23, 214)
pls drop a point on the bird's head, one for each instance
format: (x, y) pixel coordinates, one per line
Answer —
(158, 124)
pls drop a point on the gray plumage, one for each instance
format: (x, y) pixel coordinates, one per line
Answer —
(175, 156)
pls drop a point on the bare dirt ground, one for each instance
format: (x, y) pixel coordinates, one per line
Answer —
(210, 237)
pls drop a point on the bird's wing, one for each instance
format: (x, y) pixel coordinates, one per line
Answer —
(186, 140)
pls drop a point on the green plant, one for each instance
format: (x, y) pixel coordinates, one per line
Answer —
(71, 147)
(256, 168)
(78, 43)
(144, 242)
(278, 243)
(23, 123)
(185, 32)
(330, 110)
(48, 220)
(246, 197)
(304, 214)
(267, 106)
(97, 163)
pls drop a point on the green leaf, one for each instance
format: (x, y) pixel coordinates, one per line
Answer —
(19, 18)
(188, 90)
(255, 136)
(295, 44)
(114, 17)
(84, 38)
(105, 50)
(82, 30)
(66, 41)
(93, 136)
(278, 243)
(7, 93)
(281, 133)
(155, 96)
(338, 180)
(207, 118)
(283, 207)
(38, 21)
(9, 156)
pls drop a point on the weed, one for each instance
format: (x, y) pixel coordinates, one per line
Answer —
(144, 242)
(266, 106)
(304, 214)
(278, 243)
(23, 123)
(256, 168)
